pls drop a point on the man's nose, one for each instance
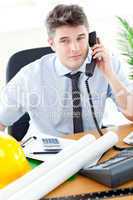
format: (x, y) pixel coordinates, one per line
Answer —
(74, 46)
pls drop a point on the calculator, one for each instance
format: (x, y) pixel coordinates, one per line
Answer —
(51, 144)
(113, 172)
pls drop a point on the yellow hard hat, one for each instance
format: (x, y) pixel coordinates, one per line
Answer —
(13, 163)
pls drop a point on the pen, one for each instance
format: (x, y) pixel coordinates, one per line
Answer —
(44, 152)
(29, 139)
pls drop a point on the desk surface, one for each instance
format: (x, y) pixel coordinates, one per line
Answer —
(81, 184)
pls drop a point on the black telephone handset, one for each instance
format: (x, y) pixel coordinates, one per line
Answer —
(92, 38)
(90, 67)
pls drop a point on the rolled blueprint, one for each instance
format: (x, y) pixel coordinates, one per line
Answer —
(66, 168)
(43, 168)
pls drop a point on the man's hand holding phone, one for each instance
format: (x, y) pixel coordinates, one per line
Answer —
(101, 56)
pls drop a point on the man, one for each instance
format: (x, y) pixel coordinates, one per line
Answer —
(44, 90)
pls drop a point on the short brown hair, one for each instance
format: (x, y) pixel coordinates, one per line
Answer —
(71, 15)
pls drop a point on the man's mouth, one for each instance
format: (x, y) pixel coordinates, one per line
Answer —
(75, 57)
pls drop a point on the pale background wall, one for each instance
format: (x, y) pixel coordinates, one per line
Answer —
(22, 27)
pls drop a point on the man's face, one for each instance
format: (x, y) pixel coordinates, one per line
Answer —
(71, 45)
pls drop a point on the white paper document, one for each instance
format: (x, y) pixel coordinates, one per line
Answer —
(54, 172)
(36, 145)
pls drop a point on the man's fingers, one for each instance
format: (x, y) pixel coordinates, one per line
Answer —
(97, 50)
(99, 56)
(97, 46)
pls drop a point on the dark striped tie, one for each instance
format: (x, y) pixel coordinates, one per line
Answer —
(77, 109)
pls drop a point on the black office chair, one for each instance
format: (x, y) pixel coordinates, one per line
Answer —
(15, 63)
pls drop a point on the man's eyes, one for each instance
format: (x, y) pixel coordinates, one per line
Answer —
(68, 41)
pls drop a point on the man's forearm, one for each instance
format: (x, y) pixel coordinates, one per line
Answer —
(124, 98)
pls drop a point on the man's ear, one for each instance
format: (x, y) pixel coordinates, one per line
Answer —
(51, 43)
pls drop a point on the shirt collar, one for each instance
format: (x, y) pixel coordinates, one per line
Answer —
(62, 70)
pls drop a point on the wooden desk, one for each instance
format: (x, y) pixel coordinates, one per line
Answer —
(81, 184)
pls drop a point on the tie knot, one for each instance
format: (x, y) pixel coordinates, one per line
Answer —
(73, 76)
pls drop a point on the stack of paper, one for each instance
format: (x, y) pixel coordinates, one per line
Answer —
(37, 146)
